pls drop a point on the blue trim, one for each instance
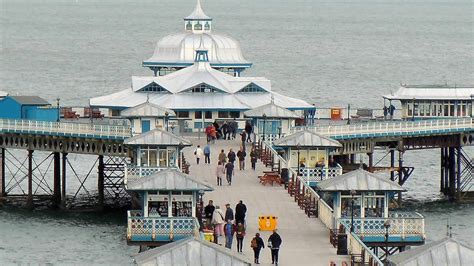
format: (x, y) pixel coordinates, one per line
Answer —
(164, 64)
(378, 239)
(197, 19)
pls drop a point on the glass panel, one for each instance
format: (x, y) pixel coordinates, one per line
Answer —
(152, 158)
(234, 114)
(144, 157)
(163, 158)
(374, 206)
(346, 207)
(223, 114)
(198, 114)
(171, 158)
(208, 115)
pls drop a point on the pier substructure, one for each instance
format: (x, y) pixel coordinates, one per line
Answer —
(63, 180)
(2, 173)
(454, 179)
(29, 199)
(400, 175)
(100, 181)
(56, 179)
(392, 164)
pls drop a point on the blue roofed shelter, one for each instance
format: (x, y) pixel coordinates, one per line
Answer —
(27, 107)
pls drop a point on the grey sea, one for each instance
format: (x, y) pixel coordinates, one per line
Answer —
(327, 52)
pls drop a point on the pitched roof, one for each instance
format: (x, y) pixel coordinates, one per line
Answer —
(147, 109)
(271, 110)
(307, 138)
(191, 251)
(432, 92)
(359, 180)
(157, 137)
(3, 93)
(169, 179)
(30, 100)
(198, 13)
(445, 251)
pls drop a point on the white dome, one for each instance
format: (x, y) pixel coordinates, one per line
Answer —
(180, 49)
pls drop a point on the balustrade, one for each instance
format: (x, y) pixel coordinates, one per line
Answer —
(133, 172)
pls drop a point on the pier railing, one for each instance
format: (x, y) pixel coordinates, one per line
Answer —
(317, 174)
(382, 129)
(402, 226)
(65, 129)
(159, 229)
(133, 172)
(360, 253)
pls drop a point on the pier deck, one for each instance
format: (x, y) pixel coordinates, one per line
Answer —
(305, 240)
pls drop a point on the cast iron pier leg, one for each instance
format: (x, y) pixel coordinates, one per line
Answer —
(100, 181)
(452, 173)
(392, 164)
(3, 193)
(56, 179)
(400, 175)
(458, 174)
(29, 199)
(63, 181)
(441, 185)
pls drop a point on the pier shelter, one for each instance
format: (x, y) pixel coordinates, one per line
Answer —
(309, 154)
(271, 121)
(147, 116)
(153, 151)
(360, 201)
(432, 101)
(28, 108)
(168, 201)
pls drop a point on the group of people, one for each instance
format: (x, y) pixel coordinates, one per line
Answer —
(227, 130)
(229, 224)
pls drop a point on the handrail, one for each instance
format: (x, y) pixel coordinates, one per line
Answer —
(63, 128)
(387, 127)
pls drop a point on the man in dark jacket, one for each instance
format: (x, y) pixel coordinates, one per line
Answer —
(257, 245)
(274, 242)
(241, 155)
(248, 130)
(208, 211)
(229, 213)
(240, 210)
(231, 156)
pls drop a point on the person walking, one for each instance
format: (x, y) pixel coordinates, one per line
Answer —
(198, 153)
(240, 211)
(220, 173)
(229, 172)
(208, 211)
(222, 157)
(207, 154)
(208, 132)
(229, 213)
(218, 222)
(248, 130)
(225, 130)
(231, 156)
(229, 230)
(239, 235)
(213, 134)
(233, 128)
(241, 155)
(253, 158)
(274, 243)
(257, 244)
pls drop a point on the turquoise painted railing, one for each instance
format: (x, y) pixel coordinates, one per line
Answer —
(403, 128)
(402, 226)
(65, 129)
(133, 172)
(159, 229)
(317, 174)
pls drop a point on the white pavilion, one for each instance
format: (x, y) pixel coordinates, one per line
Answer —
(197, 75)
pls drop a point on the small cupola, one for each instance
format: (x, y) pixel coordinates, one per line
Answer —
(198, 21)
(201, 55)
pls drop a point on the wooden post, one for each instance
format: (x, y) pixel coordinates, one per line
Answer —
(3, 193)
(56, 179)
(100, 181)
(63, 180)
(29, 200)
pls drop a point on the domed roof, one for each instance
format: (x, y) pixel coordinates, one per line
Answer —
(179, 50)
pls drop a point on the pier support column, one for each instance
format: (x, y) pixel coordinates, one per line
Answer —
(392, 164)
(371, 161)
(56, 179)
(3, 193)
(442, 165)
(452, 173)
(63, 180)
(100, 181)
(352, 158)
(458, 173)
(400, 176)
(29, 199)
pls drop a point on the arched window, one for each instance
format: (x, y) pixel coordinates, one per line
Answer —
(189, 26)
(153, 87)
(197, 26)
(252, 88)
(207, 26)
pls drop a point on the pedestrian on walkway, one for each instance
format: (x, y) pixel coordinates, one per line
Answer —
(222, 157)
(253, 158)
(220, 173)
(218, 221)
(239, 235)
(207, 154)
(248, 130)
(225, 130)
(229, 172)
(243, 137)
(233, 128)
(198, 153)
(229, 213)
(274, 242)
(208, 211)
(213, 133)
(257, 244)
(229, 230)
(208, 132)
(240, 211)
(241, 155)
(231, 156)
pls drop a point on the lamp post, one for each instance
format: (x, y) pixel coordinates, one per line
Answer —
(166, 120)
(264, 125)
(387, 226)
(353, 193)
(59, 111)
(298, 158)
